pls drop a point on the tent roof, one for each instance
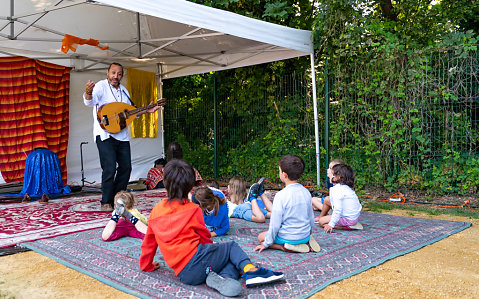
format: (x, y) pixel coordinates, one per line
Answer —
(171, 37)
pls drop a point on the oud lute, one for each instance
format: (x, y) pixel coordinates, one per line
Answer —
(114, 117)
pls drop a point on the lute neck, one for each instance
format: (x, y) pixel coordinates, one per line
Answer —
(141, 109)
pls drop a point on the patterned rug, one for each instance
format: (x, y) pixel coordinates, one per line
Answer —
(22, 222)
(343, 254)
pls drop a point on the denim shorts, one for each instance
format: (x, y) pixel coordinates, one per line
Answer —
(245, 210)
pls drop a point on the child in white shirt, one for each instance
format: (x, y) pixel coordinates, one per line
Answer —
(343, 200)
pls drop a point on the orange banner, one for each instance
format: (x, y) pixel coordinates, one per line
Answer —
(71, 42)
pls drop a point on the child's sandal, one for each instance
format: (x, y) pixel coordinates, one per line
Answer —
(300, 248)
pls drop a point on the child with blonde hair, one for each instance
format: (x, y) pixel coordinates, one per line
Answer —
(125, 219)
(253, 205)
(342, 200)
(215, 210)
(237, 190)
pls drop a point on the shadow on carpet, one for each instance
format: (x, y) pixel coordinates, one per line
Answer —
(343, 254)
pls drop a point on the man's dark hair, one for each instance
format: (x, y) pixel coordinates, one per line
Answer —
(174, 151)
(160, 161)
(179, 178)
(292, 165)
(117, 64)
(345, 173)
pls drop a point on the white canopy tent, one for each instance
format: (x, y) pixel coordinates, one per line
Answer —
(172, 38)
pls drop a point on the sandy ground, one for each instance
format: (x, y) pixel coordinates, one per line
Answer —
(446, 269)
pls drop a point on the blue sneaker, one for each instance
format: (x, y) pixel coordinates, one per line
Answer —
(261, 276)
(261, 186)
(256, 190)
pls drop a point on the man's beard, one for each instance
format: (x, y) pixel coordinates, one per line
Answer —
(114, 84)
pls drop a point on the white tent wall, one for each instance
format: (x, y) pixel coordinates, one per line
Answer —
(144, 151)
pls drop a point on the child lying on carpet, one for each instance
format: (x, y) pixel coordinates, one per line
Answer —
(292, 218)
(177, 227)
(252, 206)
(136, 224)
(215, 210)
(343, 200)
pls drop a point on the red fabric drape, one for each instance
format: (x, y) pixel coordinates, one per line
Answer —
(34, 112)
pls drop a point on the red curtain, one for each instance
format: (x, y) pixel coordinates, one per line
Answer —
(34, 112)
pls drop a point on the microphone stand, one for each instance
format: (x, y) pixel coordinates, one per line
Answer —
(83, 180)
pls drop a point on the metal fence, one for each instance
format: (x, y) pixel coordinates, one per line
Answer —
(246, 131)
(418, 129)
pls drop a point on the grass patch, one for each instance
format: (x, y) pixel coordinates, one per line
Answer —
(378, 207)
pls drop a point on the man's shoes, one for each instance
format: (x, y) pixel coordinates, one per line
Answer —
(260, 276)
(106, 207)
(256, 190)
(313, 245)
(26, 198)
(119, 206)
(228, 287)
(44, 199)
(300, 248)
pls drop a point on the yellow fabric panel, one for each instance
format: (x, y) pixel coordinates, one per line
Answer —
(142, 88)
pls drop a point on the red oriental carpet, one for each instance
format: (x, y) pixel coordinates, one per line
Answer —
(23, 222)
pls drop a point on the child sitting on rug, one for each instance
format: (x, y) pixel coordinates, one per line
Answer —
(135, 224)
(343, 200)
(292, 218)
(177, 227)
(319, 201)
(253, 206)
(154, 179)
(215, 210)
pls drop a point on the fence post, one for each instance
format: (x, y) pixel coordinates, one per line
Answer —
(215, 124)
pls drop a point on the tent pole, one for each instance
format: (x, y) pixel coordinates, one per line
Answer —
(12, 12)
(138, 32)
(159, 88)
(215, 128)
(316, 127)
